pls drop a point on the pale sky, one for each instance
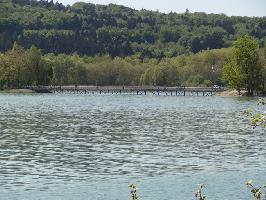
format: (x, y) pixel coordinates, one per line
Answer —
(229, 7)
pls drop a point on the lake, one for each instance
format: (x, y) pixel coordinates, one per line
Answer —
(74, 146)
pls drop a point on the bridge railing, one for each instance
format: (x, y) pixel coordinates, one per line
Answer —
(128, 88)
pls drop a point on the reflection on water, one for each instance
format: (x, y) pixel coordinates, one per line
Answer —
(67, 143)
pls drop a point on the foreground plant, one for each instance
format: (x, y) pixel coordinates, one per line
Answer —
(256, 190)
(133, 191)
(198, 194)
(256, 118)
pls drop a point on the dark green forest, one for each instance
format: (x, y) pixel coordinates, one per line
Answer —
(89, 29)
(46, 43)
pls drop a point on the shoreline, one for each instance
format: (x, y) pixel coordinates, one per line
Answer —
(234, 93)
(17, 91)
(231, 93)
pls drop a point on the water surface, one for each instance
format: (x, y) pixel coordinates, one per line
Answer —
(70, 146)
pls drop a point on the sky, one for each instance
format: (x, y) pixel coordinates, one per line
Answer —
(229, 7)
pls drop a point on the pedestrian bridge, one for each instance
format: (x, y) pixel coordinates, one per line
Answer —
(138, 90)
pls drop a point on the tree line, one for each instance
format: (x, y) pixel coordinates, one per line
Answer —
(20, 67)
(90, 29)
(241, 67)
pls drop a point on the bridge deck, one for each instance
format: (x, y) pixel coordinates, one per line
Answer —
(139, 90)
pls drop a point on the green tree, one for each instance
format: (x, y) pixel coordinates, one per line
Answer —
(35, 66)
(233, 75)
(90, 29)
(245, 68)
(246, 53)
(15, 66)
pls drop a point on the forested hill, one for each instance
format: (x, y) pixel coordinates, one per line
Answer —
(90, 29)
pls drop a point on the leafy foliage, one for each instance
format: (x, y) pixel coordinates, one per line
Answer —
(199, 194)
(20, 67)
(244, 69)
(23, 67)
(233, 75)
(90, 29)
(256, 191)
(133, 191)
(115, 45)
(256, 118)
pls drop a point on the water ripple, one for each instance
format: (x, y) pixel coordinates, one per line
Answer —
(45, 139)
